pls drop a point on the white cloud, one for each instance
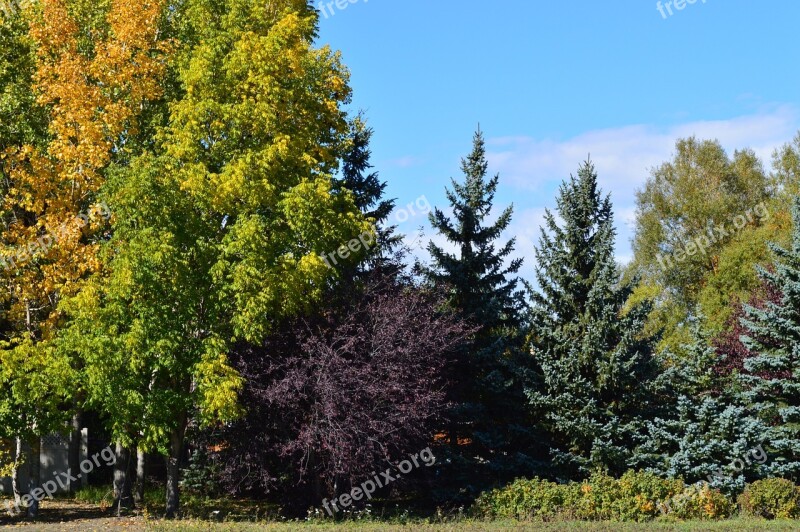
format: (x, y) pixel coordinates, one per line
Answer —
(405, 162)
(623, 158)
(624, 155)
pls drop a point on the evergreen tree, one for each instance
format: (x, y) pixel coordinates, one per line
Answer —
(704, 432)
(488, 434)
(593, 363)
(484, 287)
(771, 376)
(358, 178)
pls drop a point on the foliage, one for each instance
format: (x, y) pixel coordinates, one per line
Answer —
(636, 496)
(221, 224)
(527, 499)
(769, 377)
(201, 475)
(735, 278)
(695, 196)
(592, 386)
(489, 433)
(728, 344)
(700, 501)
(358, 178)
(704, 427)
(331, 400)
(772, 498)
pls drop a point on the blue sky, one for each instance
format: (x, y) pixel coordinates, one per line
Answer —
(553, 81)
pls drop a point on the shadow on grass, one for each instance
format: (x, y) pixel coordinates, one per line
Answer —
(55, 511)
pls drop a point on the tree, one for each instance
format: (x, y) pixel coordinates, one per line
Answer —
(488, 435)
(77, 105)
(93, 89)
(770, 376)
(221, 225)
(368, 190)
(24, 411)
(594, 366)
(686, 214)
(704, 428)
(735, 278)
(331, 399)
(728, 344)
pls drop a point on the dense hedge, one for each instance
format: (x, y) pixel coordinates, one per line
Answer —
(636, 496)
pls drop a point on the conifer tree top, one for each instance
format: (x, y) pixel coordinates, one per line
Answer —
(485, 286)
(573, 257)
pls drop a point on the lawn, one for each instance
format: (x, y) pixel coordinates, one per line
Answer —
(80, 515)
(734, 524)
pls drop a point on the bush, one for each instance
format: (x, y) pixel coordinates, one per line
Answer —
(525, 499)
(201, 477)
(773, 498)
(634, 497)
(700, 501)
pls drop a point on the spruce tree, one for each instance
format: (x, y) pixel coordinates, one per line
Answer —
(703, 433)
(594, 364)
(488, 434)
(485, 288)
(771, 376)
(358, 177)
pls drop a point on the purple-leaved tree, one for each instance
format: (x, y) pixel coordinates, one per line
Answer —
(331, 400)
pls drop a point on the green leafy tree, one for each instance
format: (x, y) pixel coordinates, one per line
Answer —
(689, 203)
(735, 277)
(222, 229)
(488, 435)
(594, 365)
(35, 381)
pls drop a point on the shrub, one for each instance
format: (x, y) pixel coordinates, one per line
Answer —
(773, 498)
(201, 477)
(633, 497)
(700, 501)
(525, 499)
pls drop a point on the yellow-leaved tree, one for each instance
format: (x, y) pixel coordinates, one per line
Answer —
(220, 230)
(93, 70)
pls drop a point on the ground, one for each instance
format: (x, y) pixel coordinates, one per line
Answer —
(67, 515)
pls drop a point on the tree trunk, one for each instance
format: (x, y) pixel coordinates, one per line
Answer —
(34, 481)
(138, 495)
(75, 443)
(173, 467)
(123, 497)
(15, 487)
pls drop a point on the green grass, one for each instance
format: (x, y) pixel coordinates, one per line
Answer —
(245, 516)
(475, 526)
(99, 495)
